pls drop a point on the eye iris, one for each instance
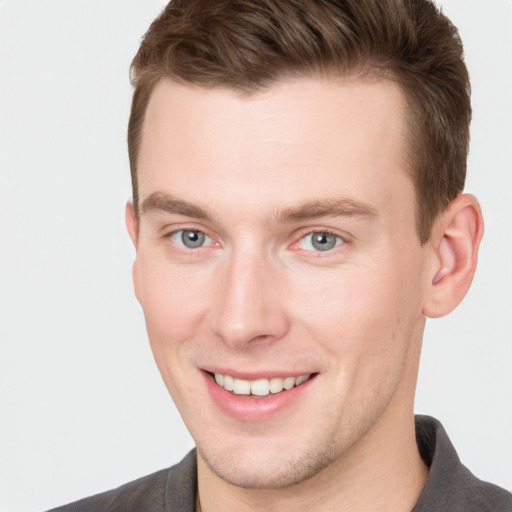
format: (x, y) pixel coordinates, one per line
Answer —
(192, 239)
(323, 241)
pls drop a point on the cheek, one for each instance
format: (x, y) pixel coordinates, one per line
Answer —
(366, 323)
(173, 301)
(364, 312)
(174, 304)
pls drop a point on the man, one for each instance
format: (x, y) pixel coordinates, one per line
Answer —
(297, 171)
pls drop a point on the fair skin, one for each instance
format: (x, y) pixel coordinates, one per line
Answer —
(277, 238)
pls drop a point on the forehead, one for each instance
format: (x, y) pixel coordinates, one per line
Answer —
(294, 141)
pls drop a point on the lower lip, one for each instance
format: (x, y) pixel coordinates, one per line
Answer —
(252, 408)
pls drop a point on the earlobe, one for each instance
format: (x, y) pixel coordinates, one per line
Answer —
(455, 241)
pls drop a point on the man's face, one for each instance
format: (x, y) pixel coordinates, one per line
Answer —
(277, 240)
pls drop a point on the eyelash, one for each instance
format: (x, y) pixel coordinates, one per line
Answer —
(297, 245)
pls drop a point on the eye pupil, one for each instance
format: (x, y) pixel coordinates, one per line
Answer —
(192, 239)
(323, 241)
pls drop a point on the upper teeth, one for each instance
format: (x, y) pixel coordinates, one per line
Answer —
(260, 387)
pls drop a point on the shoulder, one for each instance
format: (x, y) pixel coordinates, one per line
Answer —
(169, 489)
(451, 487)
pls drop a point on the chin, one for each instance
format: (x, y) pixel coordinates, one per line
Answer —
(265, 469)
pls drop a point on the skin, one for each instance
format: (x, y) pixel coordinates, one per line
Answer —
(258, 174)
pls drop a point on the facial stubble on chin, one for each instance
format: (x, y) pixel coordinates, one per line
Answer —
(289, 473)
(294, 470)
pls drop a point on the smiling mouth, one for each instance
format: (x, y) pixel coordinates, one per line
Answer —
(259, 387)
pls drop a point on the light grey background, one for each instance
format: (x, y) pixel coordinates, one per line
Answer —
(82, 405)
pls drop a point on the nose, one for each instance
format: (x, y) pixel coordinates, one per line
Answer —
(250, 301)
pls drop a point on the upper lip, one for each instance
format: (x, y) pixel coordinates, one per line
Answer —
(256, 375)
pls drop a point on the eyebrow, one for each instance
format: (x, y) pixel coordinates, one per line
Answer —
(327, 208)
(159, 201)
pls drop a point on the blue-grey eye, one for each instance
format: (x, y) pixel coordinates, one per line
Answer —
(190, 238)
(320, 241)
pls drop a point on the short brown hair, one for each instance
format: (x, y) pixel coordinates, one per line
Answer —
(247, 45)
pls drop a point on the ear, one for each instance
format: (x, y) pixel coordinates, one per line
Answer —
(132, 225)
(454, 243)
